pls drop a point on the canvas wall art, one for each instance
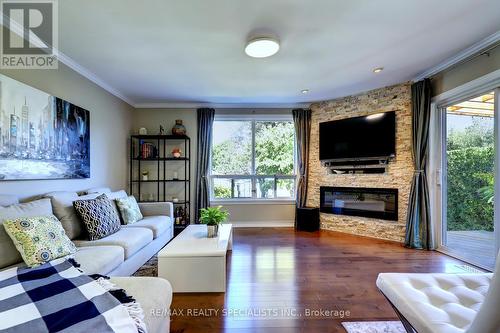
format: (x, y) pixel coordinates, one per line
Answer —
(41, 136)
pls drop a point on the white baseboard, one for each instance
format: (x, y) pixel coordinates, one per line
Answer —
(263, 224)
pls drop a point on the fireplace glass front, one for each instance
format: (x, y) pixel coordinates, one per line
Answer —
(380, 203)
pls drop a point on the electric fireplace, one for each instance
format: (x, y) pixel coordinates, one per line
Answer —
(380, 203)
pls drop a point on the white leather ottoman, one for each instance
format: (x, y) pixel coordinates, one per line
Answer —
(437, 303)
(191, 262)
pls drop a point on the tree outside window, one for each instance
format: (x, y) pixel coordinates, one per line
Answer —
(253, 159)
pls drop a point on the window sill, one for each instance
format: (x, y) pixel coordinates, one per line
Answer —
(252, 202)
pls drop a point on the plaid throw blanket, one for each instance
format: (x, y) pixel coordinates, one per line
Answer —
(57, 297)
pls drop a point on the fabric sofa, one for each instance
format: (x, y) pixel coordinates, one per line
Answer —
(118, 255)
(154, 295)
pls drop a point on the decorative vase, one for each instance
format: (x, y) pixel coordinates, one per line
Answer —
(212, 231)
(143, 131)
(178, 128)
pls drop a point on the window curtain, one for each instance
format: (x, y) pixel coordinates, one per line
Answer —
(302, 121)
(205, 124)
(418, 225)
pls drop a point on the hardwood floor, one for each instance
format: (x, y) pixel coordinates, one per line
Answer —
(277, 276)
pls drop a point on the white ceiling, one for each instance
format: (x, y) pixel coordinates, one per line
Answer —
(175, 51)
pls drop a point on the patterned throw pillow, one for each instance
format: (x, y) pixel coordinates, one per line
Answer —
(129, 209)
(39, 239)
(99, 216)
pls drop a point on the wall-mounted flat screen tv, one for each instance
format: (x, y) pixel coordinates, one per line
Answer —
(365, 137)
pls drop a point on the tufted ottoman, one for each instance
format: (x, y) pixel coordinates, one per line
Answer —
(445, 303)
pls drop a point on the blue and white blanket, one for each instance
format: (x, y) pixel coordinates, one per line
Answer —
(57, 297)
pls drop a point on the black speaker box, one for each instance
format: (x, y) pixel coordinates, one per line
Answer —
(307, 219)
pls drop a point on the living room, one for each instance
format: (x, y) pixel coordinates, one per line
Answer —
(277, 166)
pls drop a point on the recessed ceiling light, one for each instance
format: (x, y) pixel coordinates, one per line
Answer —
(378, 69)
(262, 47)
(305, 91)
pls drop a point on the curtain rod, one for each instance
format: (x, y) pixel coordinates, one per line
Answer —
(486, 51)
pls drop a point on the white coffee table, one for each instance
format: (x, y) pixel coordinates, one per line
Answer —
(191, 262)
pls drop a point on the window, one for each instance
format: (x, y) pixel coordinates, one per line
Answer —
(253, 159)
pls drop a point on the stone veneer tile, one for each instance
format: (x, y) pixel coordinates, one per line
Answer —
(399, 173)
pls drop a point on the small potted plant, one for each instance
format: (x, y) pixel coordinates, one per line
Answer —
(212, 217)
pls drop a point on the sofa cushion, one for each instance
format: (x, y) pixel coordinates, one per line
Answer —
(62, 203)
(39, 239)
(157, 224)
(117, 195)
(151, 293)
(99, 259)
(7, 200)
(9, 254)
(99, 190)
(129, 210)
(132, 240)
(28, 209)
(99, 216)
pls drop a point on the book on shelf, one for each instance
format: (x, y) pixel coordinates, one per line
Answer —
(147, 150)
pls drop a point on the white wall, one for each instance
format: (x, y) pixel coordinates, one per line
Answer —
(244, 214)
(260, 214)
(110, 125)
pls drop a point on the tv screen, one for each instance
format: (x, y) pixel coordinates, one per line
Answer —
(357, 138)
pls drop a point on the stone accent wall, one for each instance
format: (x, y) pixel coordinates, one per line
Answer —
(400, 170)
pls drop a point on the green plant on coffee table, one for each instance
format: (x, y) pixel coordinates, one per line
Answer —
(213, 215)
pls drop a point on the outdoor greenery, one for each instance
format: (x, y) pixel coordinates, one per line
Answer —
(213, 215)
(470, 154)
(233, 156)
(274, 148)
(479, 134)
(274, 144)
(222, 192)
(273, 152)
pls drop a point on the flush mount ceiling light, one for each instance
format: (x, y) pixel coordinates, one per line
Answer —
(378, 69)
(305, 91)
(375, 116)
(262, 47)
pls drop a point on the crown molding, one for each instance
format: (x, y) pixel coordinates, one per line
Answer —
(65, 59)
(461, 56)
(190, 105)
(68, 61)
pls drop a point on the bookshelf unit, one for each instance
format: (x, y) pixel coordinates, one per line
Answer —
(152, 153)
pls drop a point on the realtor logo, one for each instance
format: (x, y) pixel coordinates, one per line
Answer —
(29, 37)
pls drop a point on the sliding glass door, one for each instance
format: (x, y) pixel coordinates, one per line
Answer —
(469, 149)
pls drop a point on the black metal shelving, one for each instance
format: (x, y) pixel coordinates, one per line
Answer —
(163, 162)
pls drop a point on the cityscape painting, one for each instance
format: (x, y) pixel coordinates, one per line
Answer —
(41, 136)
